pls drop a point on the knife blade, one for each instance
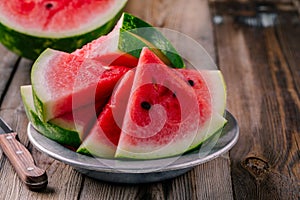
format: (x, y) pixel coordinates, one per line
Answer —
(34, 177)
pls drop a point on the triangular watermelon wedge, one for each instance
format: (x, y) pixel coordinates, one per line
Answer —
(63, 82)
(65, 129)
(103, 139)
(125, 43)
(162, 117)
(210, 97)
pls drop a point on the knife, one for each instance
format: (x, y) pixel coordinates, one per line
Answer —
(34, 178)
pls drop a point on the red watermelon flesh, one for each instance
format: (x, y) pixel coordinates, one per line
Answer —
(105, 50)
(82, 119)
(198, 83)
(103, 139)
(146, 97)
(56, 16)
(63, 82)
(109, 127)
(162, 117)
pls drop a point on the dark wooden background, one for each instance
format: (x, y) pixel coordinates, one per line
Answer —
(260, 63)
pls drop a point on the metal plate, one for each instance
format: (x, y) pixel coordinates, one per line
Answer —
(139, 171)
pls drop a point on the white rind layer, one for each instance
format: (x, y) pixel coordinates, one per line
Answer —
(217, 88)
(38, 80)
(105, 149)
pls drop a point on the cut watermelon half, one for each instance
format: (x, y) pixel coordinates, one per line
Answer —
(64, 129)
(63, 82)
(127, 40)
(162, 117)
(103, 139)
(29, 27)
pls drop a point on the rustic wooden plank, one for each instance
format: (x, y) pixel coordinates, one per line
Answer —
(95, 189)
(199, 183)
(207, 181)
(286, 82)
(288, 32)
(211, 180)
(262, 96)
(64, 182)
(8, 61)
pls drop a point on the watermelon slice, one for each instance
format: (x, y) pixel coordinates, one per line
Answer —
(126, 41)
(63, 82)
(64, 129)
(162, 118)
(103, 139)
(29, 27)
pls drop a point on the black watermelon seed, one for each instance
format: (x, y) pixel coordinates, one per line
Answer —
(146, 105)
(49, 5)
(191, 82)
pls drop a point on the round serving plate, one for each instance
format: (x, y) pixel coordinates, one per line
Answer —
(139, 171)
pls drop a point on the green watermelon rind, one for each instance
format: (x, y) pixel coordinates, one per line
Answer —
(123, 154)
(59, 134)
(206, 139)
(134, 26)
(105, 149)
(214, 131)
(133, 47)
(30, 46)
(84, 151)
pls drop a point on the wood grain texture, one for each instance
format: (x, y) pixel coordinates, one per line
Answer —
(64, 182)
(263, 95)
(261, 69)
(208, 181)
(7, 65)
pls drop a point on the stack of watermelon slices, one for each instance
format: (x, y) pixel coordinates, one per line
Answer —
(156, 111)
(108, 101)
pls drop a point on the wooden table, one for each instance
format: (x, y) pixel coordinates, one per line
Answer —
(262, 72)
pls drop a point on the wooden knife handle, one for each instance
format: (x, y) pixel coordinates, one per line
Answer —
(21, 159)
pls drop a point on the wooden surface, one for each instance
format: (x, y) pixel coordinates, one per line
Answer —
(262, 73)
